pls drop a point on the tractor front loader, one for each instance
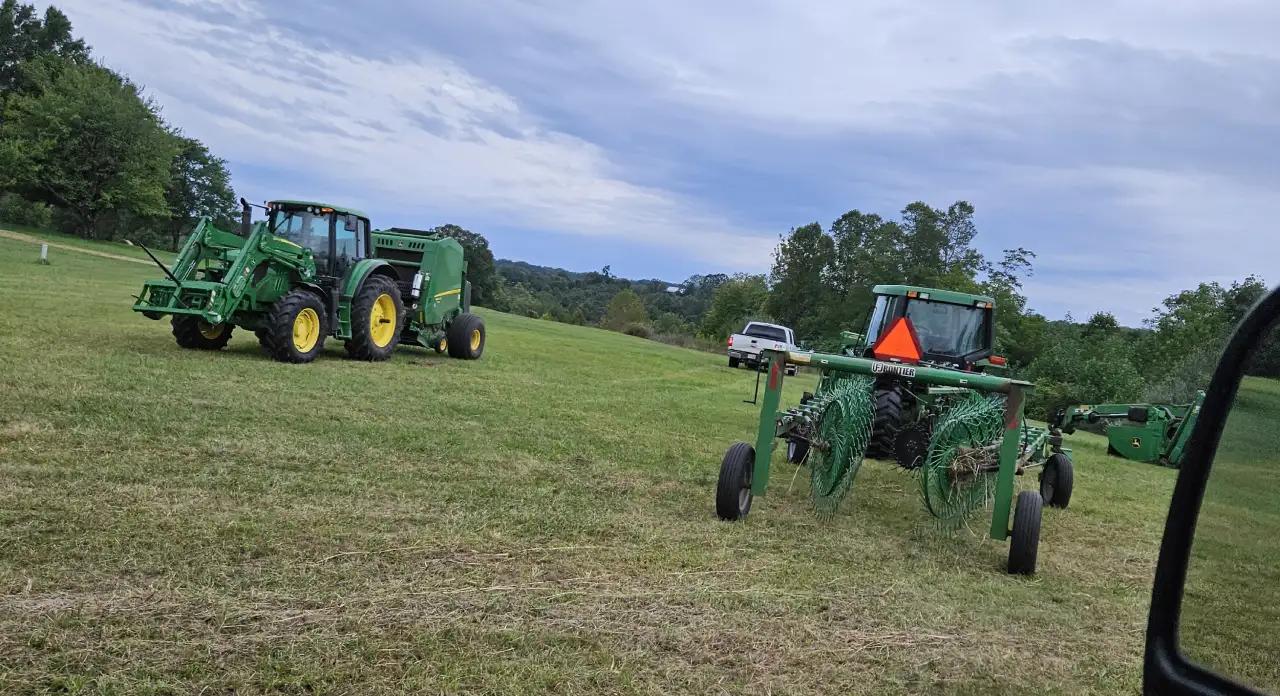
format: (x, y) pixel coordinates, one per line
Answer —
(313, 271)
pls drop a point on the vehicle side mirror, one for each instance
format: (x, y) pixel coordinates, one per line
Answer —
(1214, 621)
(350, 223)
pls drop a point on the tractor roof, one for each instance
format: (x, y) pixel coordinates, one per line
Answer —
(935, 295)
(337, 208)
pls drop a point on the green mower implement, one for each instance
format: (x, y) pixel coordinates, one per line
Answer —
(311, 271)
(1149, 433)
(978, 444)
(927, 327)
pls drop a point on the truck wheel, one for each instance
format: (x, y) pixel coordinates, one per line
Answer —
(1057, 480)
(733, 363)
(294, 329)
(733, 492)
(466, 336)
(1024, 543)
(376, 313)
(196, 334)
(887, 422)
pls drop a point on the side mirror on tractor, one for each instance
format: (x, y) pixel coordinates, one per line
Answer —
(1214, 621)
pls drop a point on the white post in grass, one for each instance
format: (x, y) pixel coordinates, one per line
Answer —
(44, 254)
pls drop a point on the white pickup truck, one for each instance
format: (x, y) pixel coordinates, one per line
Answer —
(745, 347)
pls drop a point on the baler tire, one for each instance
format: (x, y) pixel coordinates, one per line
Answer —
(887, 422)
(1024, 542)
(466, 336)
(1056, 480)
(193, 333)
(277, 332)
(362, 345)
(733, 491)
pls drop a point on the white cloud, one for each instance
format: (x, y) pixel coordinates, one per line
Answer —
(871, 65)
(419, 133)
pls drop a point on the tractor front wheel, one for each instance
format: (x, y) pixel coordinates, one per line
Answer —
(733, 492)
(1057, 480)
(294, 329)
(376, 312)
(1024, 543)
(466, 336)
(196, 334)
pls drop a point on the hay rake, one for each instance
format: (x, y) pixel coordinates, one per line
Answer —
(978, 441)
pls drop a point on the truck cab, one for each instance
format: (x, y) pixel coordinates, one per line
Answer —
(747, 345)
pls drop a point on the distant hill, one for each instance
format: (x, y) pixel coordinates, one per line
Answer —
(581, 297)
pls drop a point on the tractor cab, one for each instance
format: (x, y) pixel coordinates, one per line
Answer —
(934, 327)
(337, 237)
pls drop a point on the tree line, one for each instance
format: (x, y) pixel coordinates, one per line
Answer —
(85, 150)
(820, 284)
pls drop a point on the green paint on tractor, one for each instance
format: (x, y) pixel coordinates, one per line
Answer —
(1149, 433)
(312, 271)
(978, 443)
(953, 330)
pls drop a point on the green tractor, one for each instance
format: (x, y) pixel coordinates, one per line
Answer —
(311, 271)
(913, 326)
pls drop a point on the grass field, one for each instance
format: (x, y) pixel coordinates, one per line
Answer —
(1231, 608)
(539, 521)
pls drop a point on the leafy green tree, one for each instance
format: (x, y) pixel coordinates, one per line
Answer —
(1073, 371)
(199, 186)
(25, 37)
(735, 302)
(625, 309)
(481, 269)
(85, 140)
(670, 323)
(799, 291)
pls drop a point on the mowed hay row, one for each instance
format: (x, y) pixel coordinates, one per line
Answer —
(538, 521)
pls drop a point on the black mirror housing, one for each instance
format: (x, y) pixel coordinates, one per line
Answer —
(1165, 669)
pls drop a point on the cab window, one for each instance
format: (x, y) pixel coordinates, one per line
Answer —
(307, 231)
(349, 245)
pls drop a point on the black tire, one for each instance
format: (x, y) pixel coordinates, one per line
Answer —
(733, 362)
(1024, 542)
(441, 346)
(733, 492)
(194, 333)
(466, 336)
(295, 327)
(1056, 480)
(797, 450)
(911, 446)
(887, 422)
(377, 298)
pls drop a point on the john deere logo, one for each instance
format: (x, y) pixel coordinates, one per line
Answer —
(1136, 442)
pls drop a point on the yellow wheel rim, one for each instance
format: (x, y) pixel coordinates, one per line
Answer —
(382, 321)
(475, 339)
(444, 344)
(306, 330)
(211, 331)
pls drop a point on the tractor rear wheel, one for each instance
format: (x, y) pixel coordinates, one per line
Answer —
(733, 491)
(197, 334)
(295, 327)
(376, 313)
(466, 336)
(887, 422)
(1056, 480)
(1024, 543)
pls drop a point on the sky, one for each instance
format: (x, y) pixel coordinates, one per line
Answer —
(1131, 145)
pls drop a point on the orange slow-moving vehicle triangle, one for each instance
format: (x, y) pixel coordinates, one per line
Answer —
(900, 342)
